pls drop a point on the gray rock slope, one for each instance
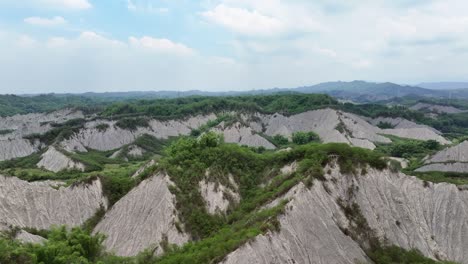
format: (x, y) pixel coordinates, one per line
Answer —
(13, 145)
(453, 159)
(437, 108)
(142, 219)
(114, 137)
(219, 197)
(16, 148)
(37, 123)
(336, 126)
(39, 205)
(329, 124)
(54, 160)
(242, 135)
(401, 209)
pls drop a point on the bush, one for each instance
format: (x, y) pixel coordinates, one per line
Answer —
(302, 138)
(279, 140)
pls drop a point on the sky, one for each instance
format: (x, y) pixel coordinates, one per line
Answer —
(219, 45)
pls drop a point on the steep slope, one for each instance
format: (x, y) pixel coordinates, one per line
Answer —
(37, 123)
(436, 108)
(16, 148)
(39, 205)
(453, 159)
(242, 135)
(400, 209)
(142, 219)
(13, 145)
(114, 137)
(54, 160)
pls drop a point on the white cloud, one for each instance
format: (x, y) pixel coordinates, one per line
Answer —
(263, 18)
(39, 21)
(161, 45)
(245, 21)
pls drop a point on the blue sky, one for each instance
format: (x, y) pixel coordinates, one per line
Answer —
(125, 45)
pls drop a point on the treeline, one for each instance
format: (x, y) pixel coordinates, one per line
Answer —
(13, 104)
(181, 107)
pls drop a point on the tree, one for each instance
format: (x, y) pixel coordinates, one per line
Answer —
(302, 138)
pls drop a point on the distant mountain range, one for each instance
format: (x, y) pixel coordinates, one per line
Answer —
(356, 91)
(444, 85)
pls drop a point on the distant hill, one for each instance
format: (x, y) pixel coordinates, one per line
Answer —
(361, 91)
(444, 85)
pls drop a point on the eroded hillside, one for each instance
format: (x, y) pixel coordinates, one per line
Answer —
(231, 181)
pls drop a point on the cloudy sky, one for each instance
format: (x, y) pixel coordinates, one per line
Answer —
(124, 45)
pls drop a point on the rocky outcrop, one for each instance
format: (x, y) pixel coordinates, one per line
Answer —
(40, 205)
(114, 137)
(142, 219)
(452, 159)
(402, 210)
(242, 135)
(54, 160)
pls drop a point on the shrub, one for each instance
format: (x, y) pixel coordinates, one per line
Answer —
(302, 138)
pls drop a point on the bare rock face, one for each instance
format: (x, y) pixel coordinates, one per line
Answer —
(114, 137)
(456, 153)
(16, 148)
(437, 108)
(416, 133)
(331, 126)
(39, 205)
(400, 123)
(142, 219)
(135, 151)
(217, 196)
(54, 160)
(36, 123)
(26, 237)
(242, 135)
(309, 234)
(452, 159)
(432, 218)
(445, 167)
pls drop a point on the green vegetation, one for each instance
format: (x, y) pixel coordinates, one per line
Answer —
(409, 148)
(183, 107)
(385, 125)
(59, 132)
(188, 159)
(6, 131)
(279, 140)
(302, 138)
(13, 104)
(61, 247)
(394, 254)
(132, 123)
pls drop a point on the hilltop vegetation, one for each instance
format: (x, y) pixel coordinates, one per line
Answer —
(13, 104)
(181, 107)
